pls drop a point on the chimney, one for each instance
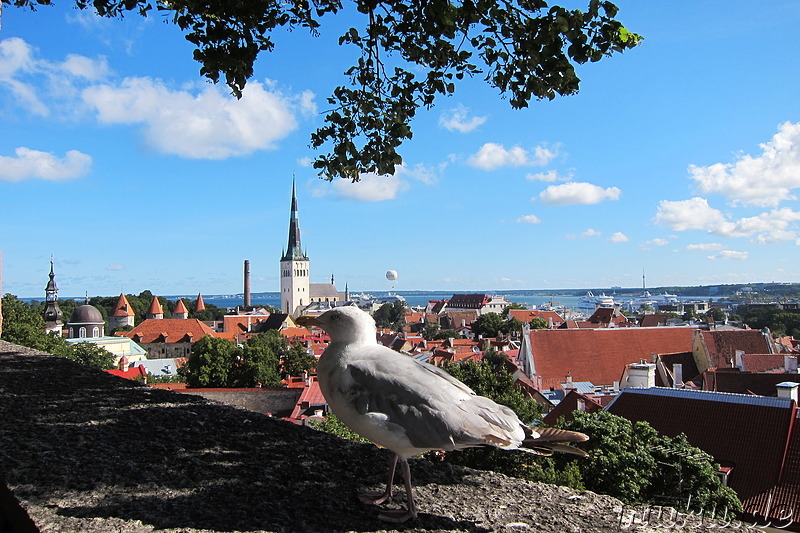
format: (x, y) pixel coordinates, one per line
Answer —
(615, 387)
(790, 363)
(641, 375)
(739, 360)
(677, 375)
(247, 283)
(788, 390)
(568, 385)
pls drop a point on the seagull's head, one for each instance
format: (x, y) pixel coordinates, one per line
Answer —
(347, 325)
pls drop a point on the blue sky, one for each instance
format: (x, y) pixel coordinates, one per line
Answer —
(680, 158)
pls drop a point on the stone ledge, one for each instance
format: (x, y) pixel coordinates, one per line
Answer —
(83, 450)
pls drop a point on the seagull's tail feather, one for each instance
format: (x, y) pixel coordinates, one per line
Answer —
(545, 441)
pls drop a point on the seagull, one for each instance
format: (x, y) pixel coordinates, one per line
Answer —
(411, 407)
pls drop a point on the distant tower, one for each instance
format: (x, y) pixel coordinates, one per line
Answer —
(295, 287)
(199, 304)
(246, 283)
(122, 314)
(53, 316)
(155, 311)
(86, 322)
(180, 310)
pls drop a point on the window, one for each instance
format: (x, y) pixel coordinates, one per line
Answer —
(82, 332)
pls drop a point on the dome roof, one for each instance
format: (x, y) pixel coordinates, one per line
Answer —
(86, 314)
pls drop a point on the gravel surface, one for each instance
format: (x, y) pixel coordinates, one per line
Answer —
(86, 451)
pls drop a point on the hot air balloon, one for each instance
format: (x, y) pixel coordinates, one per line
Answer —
(391, 275)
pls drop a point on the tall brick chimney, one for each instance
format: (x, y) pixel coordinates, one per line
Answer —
(246, 283)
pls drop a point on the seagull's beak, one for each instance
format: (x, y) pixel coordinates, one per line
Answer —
(307, 320)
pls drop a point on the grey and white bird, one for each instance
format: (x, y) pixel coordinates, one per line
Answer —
(410, 407)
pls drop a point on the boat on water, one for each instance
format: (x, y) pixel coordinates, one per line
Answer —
(590, 302)
(652, 300)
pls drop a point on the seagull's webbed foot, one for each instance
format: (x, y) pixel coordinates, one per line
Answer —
(374, 497)
(402, 514)
(397, 515)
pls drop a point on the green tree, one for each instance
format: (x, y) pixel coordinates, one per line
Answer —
(390, 315)
(488, 325)
(92, 355)
(430, 330)
(297, 360)
(410, 55)
(539, 323)
(491, 378)
(509, 307)
(259, 361)
(446, 334)
(211, 362)
(632, 462)
(23, 324)
(717, 314)
(333, 425)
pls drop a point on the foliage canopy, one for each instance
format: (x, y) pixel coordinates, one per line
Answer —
(410, 53)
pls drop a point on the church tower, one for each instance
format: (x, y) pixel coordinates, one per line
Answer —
(295, 288)
(53, 316)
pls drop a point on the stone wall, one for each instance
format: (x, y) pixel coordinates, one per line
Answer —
(82, 450)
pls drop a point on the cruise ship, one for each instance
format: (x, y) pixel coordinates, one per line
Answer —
(588, 303)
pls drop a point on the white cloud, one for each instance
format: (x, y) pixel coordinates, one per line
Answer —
(491, 156)
(654, 242)
(371, 188)
(618, 237)
(763, 180)
(695, 214)
(207, 125)
(577, 192)
(29, 164)
(549, 176)
(529, 219)
(16, 60)
(730, 254)
(685, 215)
(115, 266)
(420, 172)
(589, 233)
(458, 119)
(86, 68)
(704, 247)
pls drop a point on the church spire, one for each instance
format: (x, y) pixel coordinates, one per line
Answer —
(293, 250)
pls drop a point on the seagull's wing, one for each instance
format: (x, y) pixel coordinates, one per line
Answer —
(434, 410)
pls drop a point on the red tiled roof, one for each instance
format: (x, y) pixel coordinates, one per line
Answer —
(569, 404)
(469, 301)
(133, 372)
(600, 355)
(750, 432)
(526, 315)
(173, 329)
(732, 380)
(655, 319)
(200, 305)
(123, 307)
(155, 307)
(722, 345)
(180, 307)
(759, 362)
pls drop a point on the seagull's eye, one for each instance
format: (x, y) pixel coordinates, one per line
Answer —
(335, 316)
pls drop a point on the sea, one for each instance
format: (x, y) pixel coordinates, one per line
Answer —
(412, 298)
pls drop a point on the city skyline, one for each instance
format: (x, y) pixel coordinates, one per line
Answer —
(679, 158)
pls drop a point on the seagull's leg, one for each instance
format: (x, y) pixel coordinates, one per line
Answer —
(374, 497)
(402, 514)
